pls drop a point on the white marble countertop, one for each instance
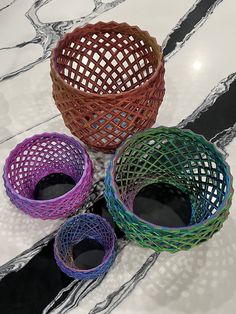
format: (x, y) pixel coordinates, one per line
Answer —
(198, 281)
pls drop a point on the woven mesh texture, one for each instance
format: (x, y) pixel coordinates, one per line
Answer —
(76, 229)
(182, 159)
(108, 82)
(39, 156)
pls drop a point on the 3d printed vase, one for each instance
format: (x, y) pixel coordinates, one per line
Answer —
(108, 82)
(182, 159)
(75, 230)
(41, 155)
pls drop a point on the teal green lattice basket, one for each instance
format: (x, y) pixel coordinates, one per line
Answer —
(180, 158)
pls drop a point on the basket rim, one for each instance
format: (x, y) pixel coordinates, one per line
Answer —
(111, 95)
(88, 168)
(106, 258)
(111, 181)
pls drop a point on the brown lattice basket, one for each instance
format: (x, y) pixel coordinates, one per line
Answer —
(108, 82)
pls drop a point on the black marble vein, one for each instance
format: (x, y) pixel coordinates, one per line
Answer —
(188, 25)
(215, 118)
(47, 34)
(28, 290)
(21, 260)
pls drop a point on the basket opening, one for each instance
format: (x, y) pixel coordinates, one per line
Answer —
(107, 62)
(179, 159)
(100, 208)
(34, 164)
(163, 205)
(88, 254)
(52, 186)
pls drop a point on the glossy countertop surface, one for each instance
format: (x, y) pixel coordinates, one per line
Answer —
(197, 38)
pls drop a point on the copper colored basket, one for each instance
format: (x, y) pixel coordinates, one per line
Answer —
(108, 82)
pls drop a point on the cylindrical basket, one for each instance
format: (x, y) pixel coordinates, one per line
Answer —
(76, 229)
(108, 82)
(182, 159)
(42, 155)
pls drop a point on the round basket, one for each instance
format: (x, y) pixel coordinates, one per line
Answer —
(39, 156)
(179, 158)
(108, 82)
(75, 230)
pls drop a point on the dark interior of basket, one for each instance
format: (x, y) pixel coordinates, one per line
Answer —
(36, 159)
(182, 161)
(106, 62)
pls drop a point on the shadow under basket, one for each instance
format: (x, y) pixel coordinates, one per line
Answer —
(108, 82)
(87, 228)
(39, 159)
(175, 158)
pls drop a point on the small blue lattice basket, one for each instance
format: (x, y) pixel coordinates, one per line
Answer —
(75, 230)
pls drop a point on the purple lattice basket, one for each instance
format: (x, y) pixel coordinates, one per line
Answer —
(39, 156)
(75, 230)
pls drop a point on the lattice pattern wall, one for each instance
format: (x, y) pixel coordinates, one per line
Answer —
(39, 156)
(76, 229)
(108, 82)
(180, 158)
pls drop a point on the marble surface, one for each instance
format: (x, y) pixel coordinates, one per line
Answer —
(198, 39)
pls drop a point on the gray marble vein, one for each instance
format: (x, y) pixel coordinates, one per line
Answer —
(225, 138)
(21, 260)
(7, 5)
(59, 295)
(47, 34)
(188, 35)
(116, 297)
(28, 129)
